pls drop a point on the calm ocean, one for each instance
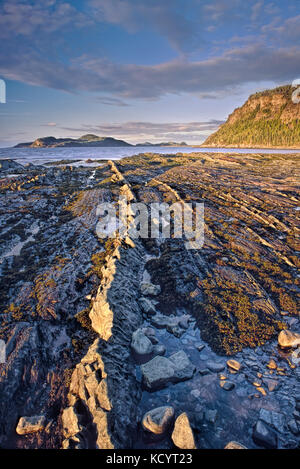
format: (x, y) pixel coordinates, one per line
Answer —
(44, 155)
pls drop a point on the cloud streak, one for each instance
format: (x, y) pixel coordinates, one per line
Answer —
(224, 72)
(138, 131)
(109, 101)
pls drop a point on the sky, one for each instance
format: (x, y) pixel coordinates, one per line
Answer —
(139, 70)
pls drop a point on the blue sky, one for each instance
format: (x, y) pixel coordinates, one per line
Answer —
(140, 70)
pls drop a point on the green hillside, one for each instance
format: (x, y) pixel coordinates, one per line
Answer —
(267, 119)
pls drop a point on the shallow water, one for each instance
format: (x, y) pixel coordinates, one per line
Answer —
(44, 155)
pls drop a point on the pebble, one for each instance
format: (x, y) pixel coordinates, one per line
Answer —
(234, 365)
(262, 391)
(227, 385)
(272, 365)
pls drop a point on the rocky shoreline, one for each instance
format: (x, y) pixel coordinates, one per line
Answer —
(129, 343)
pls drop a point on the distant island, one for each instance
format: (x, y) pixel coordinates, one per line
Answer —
(89, 140)
(268, 119)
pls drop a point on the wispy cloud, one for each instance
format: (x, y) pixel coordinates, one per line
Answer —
(109, 101)
(21, 18)
(220, 9)
(138, 131)
(256, 10)
(286, 30)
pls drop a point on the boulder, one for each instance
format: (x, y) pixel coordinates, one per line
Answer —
(32, 424)
(288, 339)
(264, 436)
(141, 345)
(182, 435)
(160, 371)
(184, 368)
(275, 419)
(158, 420)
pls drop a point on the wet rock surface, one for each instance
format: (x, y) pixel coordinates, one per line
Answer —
(264, 436)
(141, 345)
(101, 333)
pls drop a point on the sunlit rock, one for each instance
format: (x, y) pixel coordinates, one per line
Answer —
(158, 420)
(30, 424)
(182, 435)
(288, 339)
